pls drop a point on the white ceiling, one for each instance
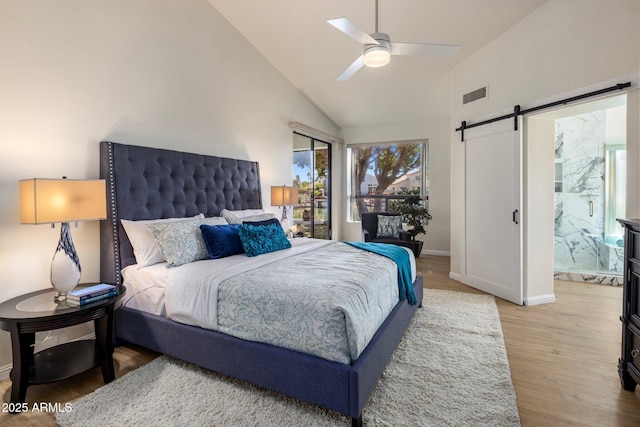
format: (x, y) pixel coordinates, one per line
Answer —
(294, 36)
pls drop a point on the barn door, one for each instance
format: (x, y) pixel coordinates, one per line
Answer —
(493, 210)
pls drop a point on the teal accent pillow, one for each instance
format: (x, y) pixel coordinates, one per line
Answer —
(262, 239)
(265, 222)
(221, 240)
(389, 226)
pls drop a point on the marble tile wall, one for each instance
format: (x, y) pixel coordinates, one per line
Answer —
(579, 201)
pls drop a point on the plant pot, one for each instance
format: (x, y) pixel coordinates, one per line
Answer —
(417, 247)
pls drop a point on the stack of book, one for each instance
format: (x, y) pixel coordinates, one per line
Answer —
(91, 294)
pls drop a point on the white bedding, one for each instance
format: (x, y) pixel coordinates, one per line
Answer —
(145, 287)
(198, 306)
(191, 294)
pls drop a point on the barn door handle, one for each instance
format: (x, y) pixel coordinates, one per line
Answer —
(515, 216)
(591, 208)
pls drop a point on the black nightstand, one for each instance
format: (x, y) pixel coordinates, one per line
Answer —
(25, 315)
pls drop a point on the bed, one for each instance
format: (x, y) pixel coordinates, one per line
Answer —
(148, 183)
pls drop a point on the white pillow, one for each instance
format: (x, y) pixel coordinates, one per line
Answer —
(181, 242)
(145, 248)
(253, 218)
(226, 213)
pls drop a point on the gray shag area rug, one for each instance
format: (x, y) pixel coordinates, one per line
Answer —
(450, 369)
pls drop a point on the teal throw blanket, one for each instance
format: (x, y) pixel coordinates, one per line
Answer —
(400, 256)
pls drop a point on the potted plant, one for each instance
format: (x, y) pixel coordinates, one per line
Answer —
(413, 212)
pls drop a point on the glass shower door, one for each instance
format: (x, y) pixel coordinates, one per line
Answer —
(579, 188)
(611, 250)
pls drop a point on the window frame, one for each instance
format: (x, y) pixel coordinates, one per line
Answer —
(351, 207)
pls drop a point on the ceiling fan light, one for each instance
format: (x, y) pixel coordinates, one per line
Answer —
(377, 56)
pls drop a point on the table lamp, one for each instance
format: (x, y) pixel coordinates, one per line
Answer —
(48, 201)
(284, 196)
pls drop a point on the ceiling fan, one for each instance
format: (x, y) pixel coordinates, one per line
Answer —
(378, 47)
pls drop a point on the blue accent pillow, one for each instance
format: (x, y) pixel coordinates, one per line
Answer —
(221, 240)
(262, 239)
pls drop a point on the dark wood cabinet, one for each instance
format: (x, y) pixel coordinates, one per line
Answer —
(629, 362)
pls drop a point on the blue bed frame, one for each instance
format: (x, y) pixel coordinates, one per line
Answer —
(151, 183)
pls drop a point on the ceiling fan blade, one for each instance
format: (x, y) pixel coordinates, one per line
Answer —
(352, 69)
(424, 49)
(352, 30)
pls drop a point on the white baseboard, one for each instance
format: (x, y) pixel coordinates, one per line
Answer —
(5, 371)
(537, 300)
(541, 299)
(436, 253)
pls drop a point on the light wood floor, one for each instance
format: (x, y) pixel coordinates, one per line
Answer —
(563, 358)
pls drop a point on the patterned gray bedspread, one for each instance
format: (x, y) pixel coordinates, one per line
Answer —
(328, 302)
(323, 298)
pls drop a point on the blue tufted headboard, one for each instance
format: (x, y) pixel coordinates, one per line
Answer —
(151, 183)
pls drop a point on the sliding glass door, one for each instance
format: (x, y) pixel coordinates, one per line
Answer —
(312, 177)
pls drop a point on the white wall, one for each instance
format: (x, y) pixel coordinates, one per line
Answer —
(563, 46)
(539, 209)
(633, 154)
(164, 73)
(437, 131)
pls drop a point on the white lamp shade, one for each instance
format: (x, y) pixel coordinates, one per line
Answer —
(284, 196)
(45, 201)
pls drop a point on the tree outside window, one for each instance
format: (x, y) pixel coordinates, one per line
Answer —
(382, 173)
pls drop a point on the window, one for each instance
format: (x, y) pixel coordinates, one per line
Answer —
(380, 173)
(312, 178)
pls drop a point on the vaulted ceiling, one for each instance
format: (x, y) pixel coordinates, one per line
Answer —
(295, 37)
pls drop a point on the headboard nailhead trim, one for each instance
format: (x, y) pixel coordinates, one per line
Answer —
(114, 215)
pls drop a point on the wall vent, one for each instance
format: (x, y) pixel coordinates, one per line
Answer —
(474, 95)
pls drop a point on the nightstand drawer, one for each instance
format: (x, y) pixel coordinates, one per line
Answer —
(633, 358)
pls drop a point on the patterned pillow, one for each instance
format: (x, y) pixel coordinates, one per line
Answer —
(221, 240)
(389, 226)
(181, 242)
(262, 239)
(145, 248)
